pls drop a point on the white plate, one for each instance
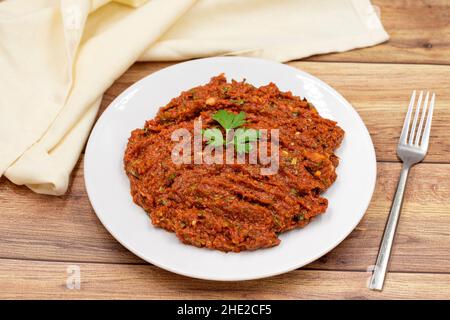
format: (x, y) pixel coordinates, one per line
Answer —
(109, 191)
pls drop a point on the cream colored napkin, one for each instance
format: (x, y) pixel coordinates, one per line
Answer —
(57, 58)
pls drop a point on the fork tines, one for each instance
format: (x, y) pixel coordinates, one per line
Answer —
(415, 136)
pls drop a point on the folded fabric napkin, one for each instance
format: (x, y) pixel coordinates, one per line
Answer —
(57, 58)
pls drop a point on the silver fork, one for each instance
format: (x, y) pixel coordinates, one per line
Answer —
(411, 149)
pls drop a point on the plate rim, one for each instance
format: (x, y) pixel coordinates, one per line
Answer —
(136, 84)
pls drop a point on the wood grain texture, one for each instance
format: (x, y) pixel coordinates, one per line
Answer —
(419, 32)
(379, 92)
(47, 280)
(65, 228)
(40, 236)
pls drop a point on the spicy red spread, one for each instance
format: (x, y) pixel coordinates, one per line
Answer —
(233, 207)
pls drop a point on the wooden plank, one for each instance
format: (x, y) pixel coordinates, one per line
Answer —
(65, 228)
(423, 234)
(419, 33)
(379, 92)
(48, 280)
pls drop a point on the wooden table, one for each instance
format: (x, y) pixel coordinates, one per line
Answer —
(42, 236)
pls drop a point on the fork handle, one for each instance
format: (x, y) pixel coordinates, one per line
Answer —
(379, 272)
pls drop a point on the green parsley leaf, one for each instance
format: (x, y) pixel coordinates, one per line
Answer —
(214, 136)
(243, 137)
(229, 120)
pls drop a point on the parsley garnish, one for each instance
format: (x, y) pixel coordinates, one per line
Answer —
(242, 136)
(214, 136)
(229, 120)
